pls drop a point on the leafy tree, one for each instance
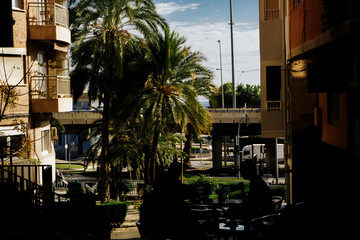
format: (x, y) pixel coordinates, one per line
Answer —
(171, 90)
(101, 36)
(249, 94)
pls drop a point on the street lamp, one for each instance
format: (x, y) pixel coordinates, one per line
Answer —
(221, 77)
(246, 117)
(232, 57)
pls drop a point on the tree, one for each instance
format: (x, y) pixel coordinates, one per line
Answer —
(249, 94)
(101, 36)
(171, 90)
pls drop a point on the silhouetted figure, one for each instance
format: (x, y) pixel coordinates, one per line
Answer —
(258, 200)
(162, 212)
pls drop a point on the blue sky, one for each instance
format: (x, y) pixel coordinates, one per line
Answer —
(204, 22)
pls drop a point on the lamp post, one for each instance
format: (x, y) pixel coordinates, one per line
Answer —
(232, 57)
(237, 141)
(221, 77)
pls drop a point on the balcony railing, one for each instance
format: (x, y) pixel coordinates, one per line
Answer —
(272, 14)
(48, 14)
(50, 87)
(273, 105)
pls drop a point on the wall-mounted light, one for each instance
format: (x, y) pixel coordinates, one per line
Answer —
(298, 69)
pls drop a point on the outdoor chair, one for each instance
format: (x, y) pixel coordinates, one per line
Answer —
(276, 202)
(204, 221)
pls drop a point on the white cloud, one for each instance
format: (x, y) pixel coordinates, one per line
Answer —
(204, 38)
(171, 7)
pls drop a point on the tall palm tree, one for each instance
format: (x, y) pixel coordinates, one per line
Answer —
(102, 33)
(176, 79)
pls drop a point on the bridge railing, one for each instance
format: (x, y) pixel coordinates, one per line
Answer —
(233, 115)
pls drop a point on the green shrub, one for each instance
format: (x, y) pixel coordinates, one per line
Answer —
(126, 186)
(115, 212)
(202, 186)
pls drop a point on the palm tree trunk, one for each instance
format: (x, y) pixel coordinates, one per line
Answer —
(188, 144)
(146, 165)
(104, 161)
(153, 154)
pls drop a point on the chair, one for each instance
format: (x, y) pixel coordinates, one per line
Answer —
(266, 227)
(276, 202)
(203, 221)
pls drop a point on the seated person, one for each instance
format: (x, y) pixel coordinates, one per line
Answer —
(258, 198)
(162, 211)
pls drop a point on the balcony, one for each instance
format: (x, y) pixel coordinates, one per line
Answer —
(272, 14)
(273, 105)
(50, 94)
(48, 21)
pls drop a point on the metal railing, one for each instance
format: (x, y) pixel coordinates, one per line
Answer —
(273, 105)
(50, 87)
(47, 14)
(236, 110)
(27, 178)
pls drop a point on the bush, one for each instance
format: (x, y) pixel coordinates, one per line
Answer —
(126, 186)
(115, 212)
(202, 186)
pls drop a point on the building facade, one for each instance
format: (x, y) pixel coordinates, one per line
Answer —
(316, 44)
(34, 64)
(323, 62)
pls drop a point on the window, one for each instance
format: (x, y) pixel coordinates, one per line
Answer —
(333, 109)
(273, 83)
(45, 141)
(12, 69)
(297, 2)
(16, 4)
(63, 3)
(272, 9)
(13, 141)
(62, 67)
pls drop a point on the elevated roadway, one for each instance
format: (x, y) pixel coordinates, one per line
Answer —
(218, 115)
(225, 123)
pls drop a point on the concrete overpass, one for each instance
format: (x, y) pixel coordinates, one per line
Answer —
(219, 116)
(233, 115)
(225, 123)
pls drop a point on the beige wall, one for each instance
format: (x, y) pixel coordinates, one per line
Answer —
(20, 28)
(271, 54)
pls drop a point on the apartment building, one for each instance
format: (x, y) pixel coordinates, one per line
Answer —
(323, 58)
(273, 65)
(34, 63)
(310, 92)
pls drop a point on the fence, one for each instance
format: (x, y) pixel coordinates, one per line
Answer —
(50, 87)
(48, 14)
(33, 179)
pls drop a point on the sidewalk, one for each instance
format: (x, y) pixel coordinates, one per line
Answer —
(128, 230)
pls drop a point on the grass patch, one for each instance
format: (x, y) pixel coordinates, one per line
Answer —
(72, 166)
(190, 177)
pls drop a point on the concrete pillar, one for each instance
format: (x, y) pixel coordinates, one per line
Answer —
(271, 156)
(217, 152)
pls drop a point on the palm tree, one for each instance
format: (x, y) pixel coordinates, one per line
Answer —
(102, 35)
(176, 79)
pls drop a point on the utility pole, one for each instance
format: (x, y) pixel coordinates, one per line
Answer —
(232, 57)
(237, 141)
(221, 77)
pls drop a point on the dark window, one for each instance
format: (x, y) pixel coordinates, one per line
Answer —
(6, 19)
(297, 2)
(333, 108)
(273, 83)
(246, 153)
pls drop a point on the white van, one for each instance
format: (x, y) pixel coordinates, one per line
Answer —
(258, 151)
